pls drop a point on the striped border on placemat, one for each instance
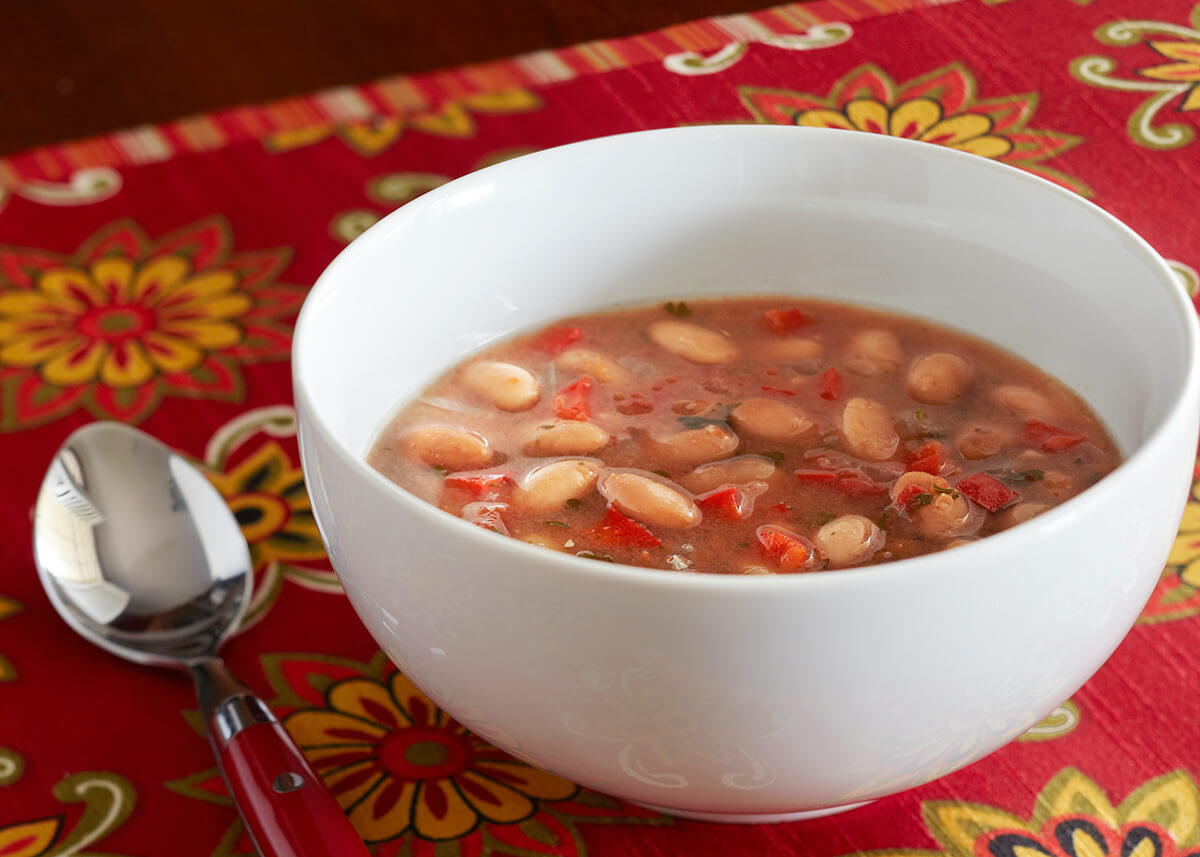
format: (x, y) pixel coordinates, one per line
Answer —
(401, 95)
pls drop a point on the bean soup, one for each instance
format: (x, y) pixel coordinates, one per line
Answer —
(745, 436)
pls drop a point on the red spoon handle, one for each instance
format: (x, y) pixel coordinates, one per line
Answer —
(283, 802)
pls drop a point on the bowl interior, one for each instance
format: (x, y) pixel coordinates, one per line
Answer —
(905, 226)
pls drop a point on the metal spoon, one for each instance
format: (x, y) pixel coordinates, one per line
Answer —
(139, 553)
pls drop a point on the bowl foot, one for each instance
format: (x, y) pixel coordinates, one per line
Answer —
(752, 817)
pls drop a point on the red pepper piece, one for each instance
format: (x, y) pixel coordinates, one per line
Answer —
(926, 458)
(829, 385)
(786, 320)
(850, 482)
(779, 390)
(988, 492)
(1050, 438)
(487, 515)
(617, 529)
(725, 503)
(571, 403)
(907, 494)
(786, 549)
(486, 487)
(556, 339)
(854, 484)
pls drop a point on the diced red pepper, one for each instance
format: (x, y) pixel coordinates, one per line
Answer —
(725, 504)
(854, 484)
(907, 494)
(850, 482)
(571, 403)
(486, 487)
(829, 385)
(786, 320)
(987, 491)
(926, 458)
(1050, 438)
(556, 339)
(617, 529)
(487, 515)
(786, 549)
(781, 508)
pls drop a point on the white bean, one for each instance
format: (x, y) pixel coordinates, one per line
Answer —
(793, 349)
(769, 418)
(849, 540)
(650, 500)
(566, 437)
(945, 514)
(983, 440)
(695, 446)
(595, 365)
(692, 342)
(1019, 513)
(550, 486)
(874, 352)
(505, 385)
(1022, 401)
(939, 378)
(449, 447)
(732, 471)
(869, 430)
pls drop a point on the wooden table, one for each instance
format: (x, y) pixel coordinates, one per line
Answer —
(73, 68)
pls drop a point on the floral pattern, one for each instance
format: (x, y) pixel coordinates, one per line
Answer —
(262, 482)
(1167, 69)
(1177, 594)
(125, 321)
(8, 607)
(1072, 817)
(107, 800)
(940, 107)
(412, 779)
(452, 118)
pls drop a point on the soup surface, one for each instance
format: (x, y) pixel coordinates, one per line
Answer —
(745, 436)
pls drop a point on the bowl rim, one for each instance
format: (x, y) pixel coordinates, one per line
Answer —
(1185, 398)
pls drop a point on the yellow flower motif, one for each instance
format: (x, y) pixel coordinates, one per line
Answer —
(120, 322)
(916, 119)
(1072, 817)
(125, 320)
(398, 764)
(1185, 69)
(267, 495)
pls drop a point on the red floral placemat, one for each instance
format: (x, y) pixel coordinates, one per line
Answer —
(152, 277)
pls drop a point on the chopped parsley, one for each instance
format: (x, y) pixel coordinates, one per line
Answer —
(920, 414)
(1033, 475)
(603, 557)
(679, 310)
(557, 524)
(920, 500)
(720, 417)
(574, 503)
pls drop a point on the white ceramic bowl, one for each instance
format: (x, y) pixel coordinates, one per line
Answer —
(749, 698)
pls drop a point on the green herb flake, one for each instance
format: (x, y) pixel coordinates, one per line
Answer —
(557, 524)
(574, 503)
(935, 435)
(602, 557)
(920, 414)
(742, 545)
(664, 474)
(824, 565)
(441, 468)
(679, 310)
(946, 490)
(777, 457)
(1079, 460)
(719, 418)
(920, 500)
(1033, 475)
(883, 521)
